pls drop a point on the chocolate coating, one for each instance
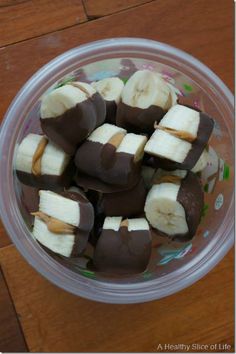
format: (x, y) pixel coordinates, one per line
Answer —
(191, 197)
(138, 120)
(73, 126)
(52, 182)
(165, 164)
(107, 165)
(123, 252)
(127, 203)
(111, 108)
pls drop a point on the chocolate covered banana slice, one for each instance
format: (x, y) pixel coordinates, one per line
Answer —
(63, 222)
(145, 99)
(41, 164)
(181, 136)
(174, 204)
(70, 113)
(157, 162)
(124, 247)
(110, 89)
(111, 156)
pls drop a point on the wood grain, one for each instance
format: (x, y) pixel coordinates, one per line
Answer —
(54, 320)
(11, 336)
(96, 9)
(27, 19)
(4, 238)
(202, 28)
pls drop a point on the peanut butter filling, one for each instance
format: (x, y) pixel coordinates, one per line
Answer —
(124, 223)
(54, 225)
(168, 179)
(181, 134)
(37, 157)
(116, 139)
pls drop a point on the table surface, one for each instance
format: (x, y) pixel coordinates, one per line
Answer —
(34, 314)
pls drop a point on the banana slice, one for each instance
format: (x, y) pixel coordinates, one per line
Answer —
(181, 136)
(124, 247)
(70, 113)
(63, 222)
(145, 99)
(157, 162)
(110, 89)
(201, 162)
(175, 208)
(41, 164)
(110, 156)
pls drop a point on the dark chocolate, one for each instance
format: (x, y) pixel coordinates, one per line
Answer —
(111, 108)
(102, 162)
(72, 127)
(87, 182)
(128, 203)
(97, 229)
(138, 120)
(52, 182)
(123, 252)
(165, 164)
(191, 197)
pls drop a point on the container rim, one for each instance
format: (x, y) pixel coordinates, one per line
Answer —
(90, 288)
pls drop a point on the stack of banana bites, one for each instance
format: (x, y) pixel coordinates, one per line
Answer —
(115, 162)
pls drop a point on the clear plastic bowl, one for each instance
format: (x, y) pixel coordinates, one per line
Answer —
(173, 266)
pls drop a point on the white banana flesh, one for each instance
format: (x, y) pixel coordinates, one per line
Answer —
(53, 162)
(144, 89)
(115, 222)
(181, 118)
(112, 223)
(61, 244)
(202, 162)
(163, 211)
(58, 101)
(167, 146)
(133, 144)
(105, 133)
(164, 144)
(109, 88)
(59, 207)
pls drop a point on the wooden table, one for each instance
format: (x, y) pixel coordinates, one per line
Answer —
(34, 314)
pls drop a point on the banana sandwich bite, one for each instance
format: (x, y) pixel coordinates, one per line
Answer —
(63, 222)
(41, 164)
(68, 114)
(124, 246)
(110, 156)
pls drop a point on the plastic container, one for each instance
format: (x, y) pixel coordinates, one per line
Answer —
(173, 266)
